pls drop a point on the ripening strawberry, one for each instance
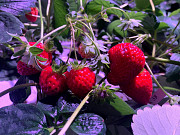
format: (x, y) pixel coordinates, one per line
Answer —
(126, 62)
(24, 69)
(51, 82)
(80, 81)
(140, 88)
(85, 51)
(34, 11)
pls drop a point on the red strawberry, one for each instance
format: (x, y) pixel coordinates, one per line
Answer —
(85, 51)
(126, 61)
(81, 81)
(140, 89)
(24, 69)
(52, 83)
(34, 11)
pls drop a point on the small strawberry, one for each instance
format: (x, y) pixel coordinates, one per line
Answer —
(81, 81)
(53, 83)
(140, 89)
(24, 69)
(34, 11)
(126, 61)
(86, 51)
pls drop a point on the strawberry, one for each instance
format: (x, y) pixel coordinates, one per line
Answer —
(24, 69)
(34, 11)
(51, 82)
(140, 88)
(85, 51)
(81, 81)
(126, 61)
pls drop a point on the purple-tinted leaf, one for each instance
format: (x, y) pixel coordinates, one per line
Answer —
(159, 120)
(9, 24)
(16, 7)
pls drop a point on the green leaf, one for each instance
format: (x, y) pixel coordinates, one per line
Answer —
(122, 107)
(41, 58)
(143, 4)
(19, 53)
(17, 7)
(89, 123)
(9, 24)
(35, 50)
(162, 25)
(96, 6)
(22, 119)
(74, 5)
(173, 71)
(176, 12)
(113, 28)
(18, 38)
(60, 13)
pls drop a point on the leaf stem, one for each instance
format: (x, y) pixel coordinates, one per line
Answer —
(152, 6)
(41, 18)
(156, 81)
(17, 87)
(50, 33)
(162, 60)
(73, 116)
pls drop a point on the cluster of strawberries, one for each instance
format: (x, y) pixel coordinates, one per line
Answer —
(79, 80)
(127, 70)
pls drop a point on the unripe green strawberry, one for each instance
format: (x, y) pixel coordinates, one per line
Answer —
(140, 88)
(52, 83)
(34, 11)
(86, 51)
(81, 81)
(24, 69)
(126, 61)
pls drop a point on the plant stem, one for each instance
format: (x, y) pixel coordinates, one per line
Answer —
(73, 116)
(48, 10)
(152, 6)
(42, 23)
(163, 60)
(50, 33)
(156, 81)
(17, 87)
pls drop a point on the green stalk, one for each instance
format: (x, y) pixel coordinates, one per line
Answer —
(152, 6)
(163, 60)
(41, 18)
(73, 116)
(156, 81)
(17, 87)
(49, 34)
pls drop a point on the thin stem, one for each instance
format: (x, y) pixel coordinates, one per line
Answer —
(48, 10)
(17, 87)
(73, 116)
(163, 60)
(49, 34)
(126, 15)
(152, 6)
(157, 81)
(41, 18)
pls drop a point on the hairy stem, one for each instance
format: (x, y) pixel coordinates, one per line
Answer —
(41, 18)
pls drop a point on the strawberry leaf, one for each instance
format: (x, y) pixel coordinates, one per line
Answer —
(89, 123)
(143, 4)
(60, 13)
(9, 24)
(41, 58)
(19, 53)
(22, 119)
(173, 71)
(158, 120)
(122, 107)
(35, 50)
(17, 7)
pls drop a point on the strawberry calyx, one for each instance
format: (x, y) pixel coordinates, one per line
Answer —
(76, 66)
(60, 69)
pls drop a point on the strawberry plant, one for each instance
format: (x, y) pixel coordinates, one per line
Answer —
(97, 66)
